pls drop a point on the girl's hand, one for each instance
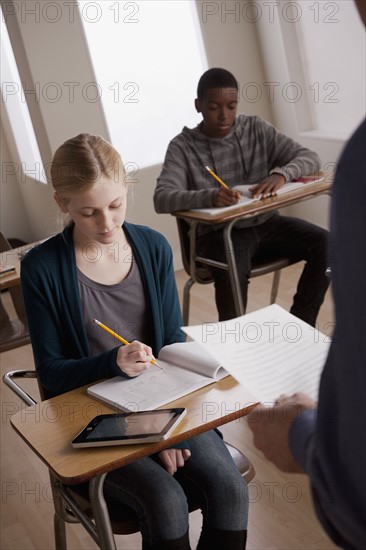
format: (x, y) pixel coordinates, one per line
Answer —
(134, 359)
(268, 187)
(172, 459)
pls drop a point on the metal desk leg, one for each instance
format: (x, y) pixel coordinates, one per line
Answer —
(192, 249)
(100, 513)
(60, 532)
(233, 271)
(230, 264)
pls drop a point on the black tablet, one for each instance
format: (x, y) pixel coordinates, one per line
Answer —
(127, 428)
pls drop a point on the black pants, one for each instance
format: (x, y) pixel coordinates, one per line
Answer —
(278, 236)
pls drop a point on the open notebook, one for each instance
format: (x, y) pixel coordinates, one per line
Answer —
(186, 367)
(247, 199)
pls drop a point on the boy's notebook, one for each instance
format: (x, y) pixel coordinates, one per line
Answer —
(246, 198)
(269, 351)
(186, 368)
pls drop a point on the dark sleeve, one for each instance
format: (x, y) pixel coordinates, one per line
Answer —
(286, 156)
(331, 445)
(173, 190)
(60, 352)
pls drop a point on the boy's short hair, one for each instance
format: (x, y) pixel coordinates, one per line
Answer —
(215, 78)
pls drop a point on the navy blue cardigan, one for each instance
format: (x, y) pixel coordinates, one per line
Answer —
(51, 294)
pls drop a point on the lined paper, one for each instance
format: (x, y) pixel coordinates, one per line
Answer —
(268, 351)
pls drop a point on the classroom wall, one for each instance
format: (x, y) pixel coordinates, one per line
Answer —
(57, 53)
(300, 93)
(13, 215)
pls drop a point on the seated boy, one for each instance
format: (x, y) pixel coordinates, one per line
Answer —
(243, 150)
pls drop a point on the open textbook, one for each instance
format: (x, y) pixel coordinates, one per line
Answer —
(246, 197)
(186, 367)
(269, 351)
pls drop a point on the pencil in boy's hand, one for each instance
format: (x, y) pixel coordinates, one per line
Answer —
(217, 177)
(121, 339)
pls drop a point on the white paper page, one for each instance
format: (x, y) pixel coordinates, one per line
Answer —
(269, 351)
(150, 390)
(192, 356)
(246, 198)
(291, 186)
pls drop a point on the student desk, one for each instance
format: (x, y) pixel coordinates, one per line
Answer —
(12, 258)
(49, 427)
(231, 217)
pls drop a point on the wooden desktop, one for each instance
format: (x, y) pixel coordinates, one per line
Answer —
(12, 258)
(49, 427)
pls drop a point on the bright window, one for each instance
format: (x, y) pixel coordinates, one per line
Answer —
(147, 57)
(14, 102)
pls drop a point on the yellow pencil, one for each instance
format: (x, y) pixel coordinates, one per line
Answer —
(217, 178)
(121, 339)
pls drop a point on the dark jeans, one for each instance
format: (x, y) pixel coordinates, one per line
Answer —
(278, 236)
(209, 477)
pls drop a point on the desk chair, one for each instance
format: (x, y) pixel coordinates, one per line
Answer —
(13, 332)
(202, 274)
(72, 503)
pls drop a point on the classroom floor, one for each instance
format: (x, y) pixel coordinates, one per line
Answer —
(281, 515)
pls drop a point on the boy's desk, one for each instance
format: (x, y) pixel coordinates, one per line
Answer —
(49, 427)
(307, 191)
(232, 216)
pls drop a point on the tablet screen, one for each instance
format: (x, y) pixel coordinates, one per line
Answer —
(125, 428)
(130, 425)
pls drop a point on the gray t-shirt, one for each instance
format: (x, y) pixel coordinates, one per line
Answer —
(122, 307)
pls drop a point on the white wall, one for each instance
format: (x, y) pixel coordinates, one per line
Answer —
(14, 220)
(59, 65)
(55, 62)
(232, 43)
(280, 30)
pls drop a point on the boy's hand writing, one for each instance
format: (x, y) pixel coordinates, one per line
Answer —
(134, 358)
(225, 197)
(172, 459)
(268, 187)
